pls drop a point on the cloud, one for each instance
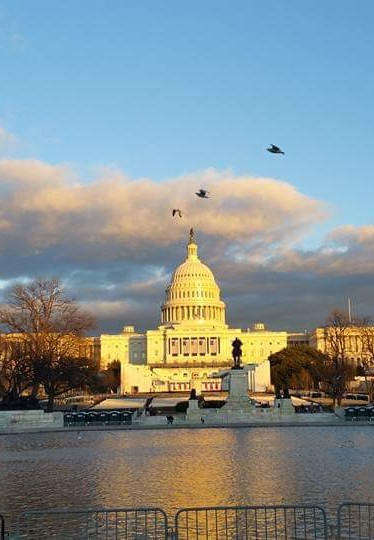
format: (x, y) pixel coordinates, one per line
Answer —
(353, 237)
(115, 244)
(347, 250)
(55, 208)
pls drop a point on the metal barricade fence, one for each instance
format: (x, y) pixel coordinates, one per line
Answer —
(94, 524)
(251, 522)
(356, 521)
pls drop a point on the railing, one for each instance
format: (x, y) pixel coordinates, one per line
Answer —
(192, 364)
(252, 522)
(94, 524)
(355, 521)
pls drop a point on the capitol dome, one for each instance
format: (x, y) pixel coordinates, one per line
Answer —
(193, 296)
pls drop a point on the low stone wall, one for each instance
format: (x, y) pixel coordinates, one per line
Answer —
(10, 420)
(262, 416)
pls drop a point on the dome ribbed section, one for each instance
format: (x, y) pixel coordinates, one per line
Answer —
(193, 296)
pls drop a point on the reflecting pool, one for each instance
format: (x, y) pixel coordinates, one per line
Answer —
(176, 468)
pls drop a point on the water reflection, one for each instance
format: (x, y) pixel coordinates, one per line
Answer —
(179, 468)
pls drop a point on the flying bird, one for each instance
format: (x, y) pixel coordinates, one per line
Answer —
(274, 149)
(202, 193)
(176, 211)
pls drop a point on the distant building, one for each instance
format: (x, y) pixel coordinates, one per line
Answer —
(193, 342)
(353, 342)
(13, 344)
(298, 338)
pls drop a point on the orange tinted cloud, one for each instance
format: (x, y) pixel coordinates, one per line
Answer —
(56, 207)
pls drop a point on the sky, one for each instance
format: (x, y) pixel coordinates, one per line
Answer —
(114, 113)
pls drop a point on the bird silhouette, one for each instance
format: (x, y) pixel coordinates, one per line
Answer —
(274, 149)
(202, 193)
(176, 211)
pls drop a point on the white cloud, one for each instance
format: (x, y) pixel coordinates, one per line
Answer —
(352, 236)
(55, 208)
(115, 242)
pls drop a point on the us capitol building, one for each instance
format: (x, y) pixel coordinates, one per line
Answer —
(192, 346)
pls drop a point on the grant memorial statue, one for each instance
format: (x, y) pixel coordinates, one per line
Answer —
(236, 353)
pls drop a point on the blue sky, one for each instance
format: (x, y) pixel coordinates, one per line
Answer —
(160, 90)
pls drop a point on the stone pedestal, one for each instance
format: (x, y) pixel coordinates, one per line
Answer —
(238, 406)
(284, 406)
(194, 412)
(238, 392)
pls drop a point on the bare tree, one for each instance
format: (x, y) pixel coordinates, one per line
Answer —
(336, 376)
(64, 373)
(15, 371)
(367, 355)
(339, 369)
(110, 379)
(337, 331)
(48, 327)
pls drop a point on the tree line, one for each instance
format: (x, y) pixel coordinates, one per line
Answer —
(304, 367)
(44, 347)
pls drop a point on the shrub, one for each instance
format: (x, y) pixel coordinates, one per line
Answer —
(181, 407)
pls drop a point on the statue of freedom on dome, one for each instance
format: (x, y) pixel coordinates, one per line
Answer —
(192, 235)
(236, 353)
